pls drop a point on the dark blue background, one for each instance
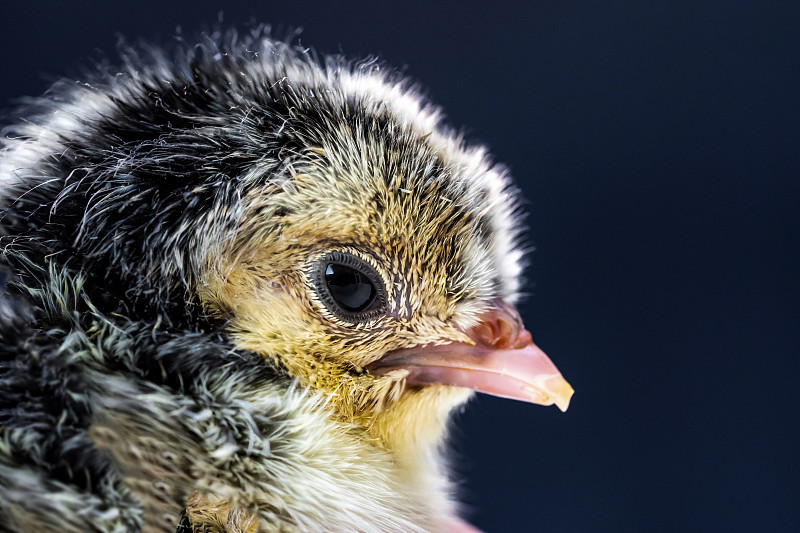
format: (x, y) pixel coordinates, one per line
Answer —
(657, 145)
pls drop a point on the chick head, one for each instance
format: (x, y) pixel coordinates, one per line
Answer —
(376, 258)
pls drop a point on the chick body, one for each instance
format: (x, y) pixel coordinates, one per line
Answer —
(163, 323)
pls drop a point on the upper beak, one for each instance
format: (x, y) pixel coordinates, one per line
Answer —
(503, 361)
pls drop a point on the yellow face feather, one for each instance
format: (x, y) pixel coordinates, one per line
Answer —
(421, 236)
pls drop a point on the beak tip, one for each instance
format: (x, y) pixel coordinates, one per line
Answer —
(560, 391)
(563, 404)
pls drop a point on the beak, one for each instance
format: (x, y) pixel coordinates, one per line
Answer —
(502, 361)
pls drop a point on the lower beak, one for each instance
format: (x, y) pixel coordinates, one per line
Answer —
(503, 362)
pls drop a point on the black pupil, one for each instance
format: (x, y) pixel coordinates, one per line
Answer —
(350, 288)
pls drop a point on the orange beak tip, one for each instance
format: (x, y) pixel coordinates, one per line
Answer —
(560, 392)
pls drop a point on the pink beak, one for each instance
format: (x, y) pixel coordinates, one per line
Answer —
(503, 361)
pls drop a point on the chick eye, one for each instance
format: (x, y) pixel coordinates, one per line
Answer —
(350, 288)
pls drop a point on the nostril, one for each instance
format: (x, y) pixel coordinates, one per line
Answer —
(486, 333)
(506, 330)
(501, 328)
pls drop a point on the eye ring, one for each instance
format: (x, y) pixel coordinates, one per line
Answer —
(349, 287)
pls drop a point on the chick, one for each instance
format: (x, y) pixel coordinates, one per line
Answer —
(247, 288)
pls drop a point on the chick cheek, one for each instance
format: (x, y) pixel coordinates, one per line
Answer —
(503, 361)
